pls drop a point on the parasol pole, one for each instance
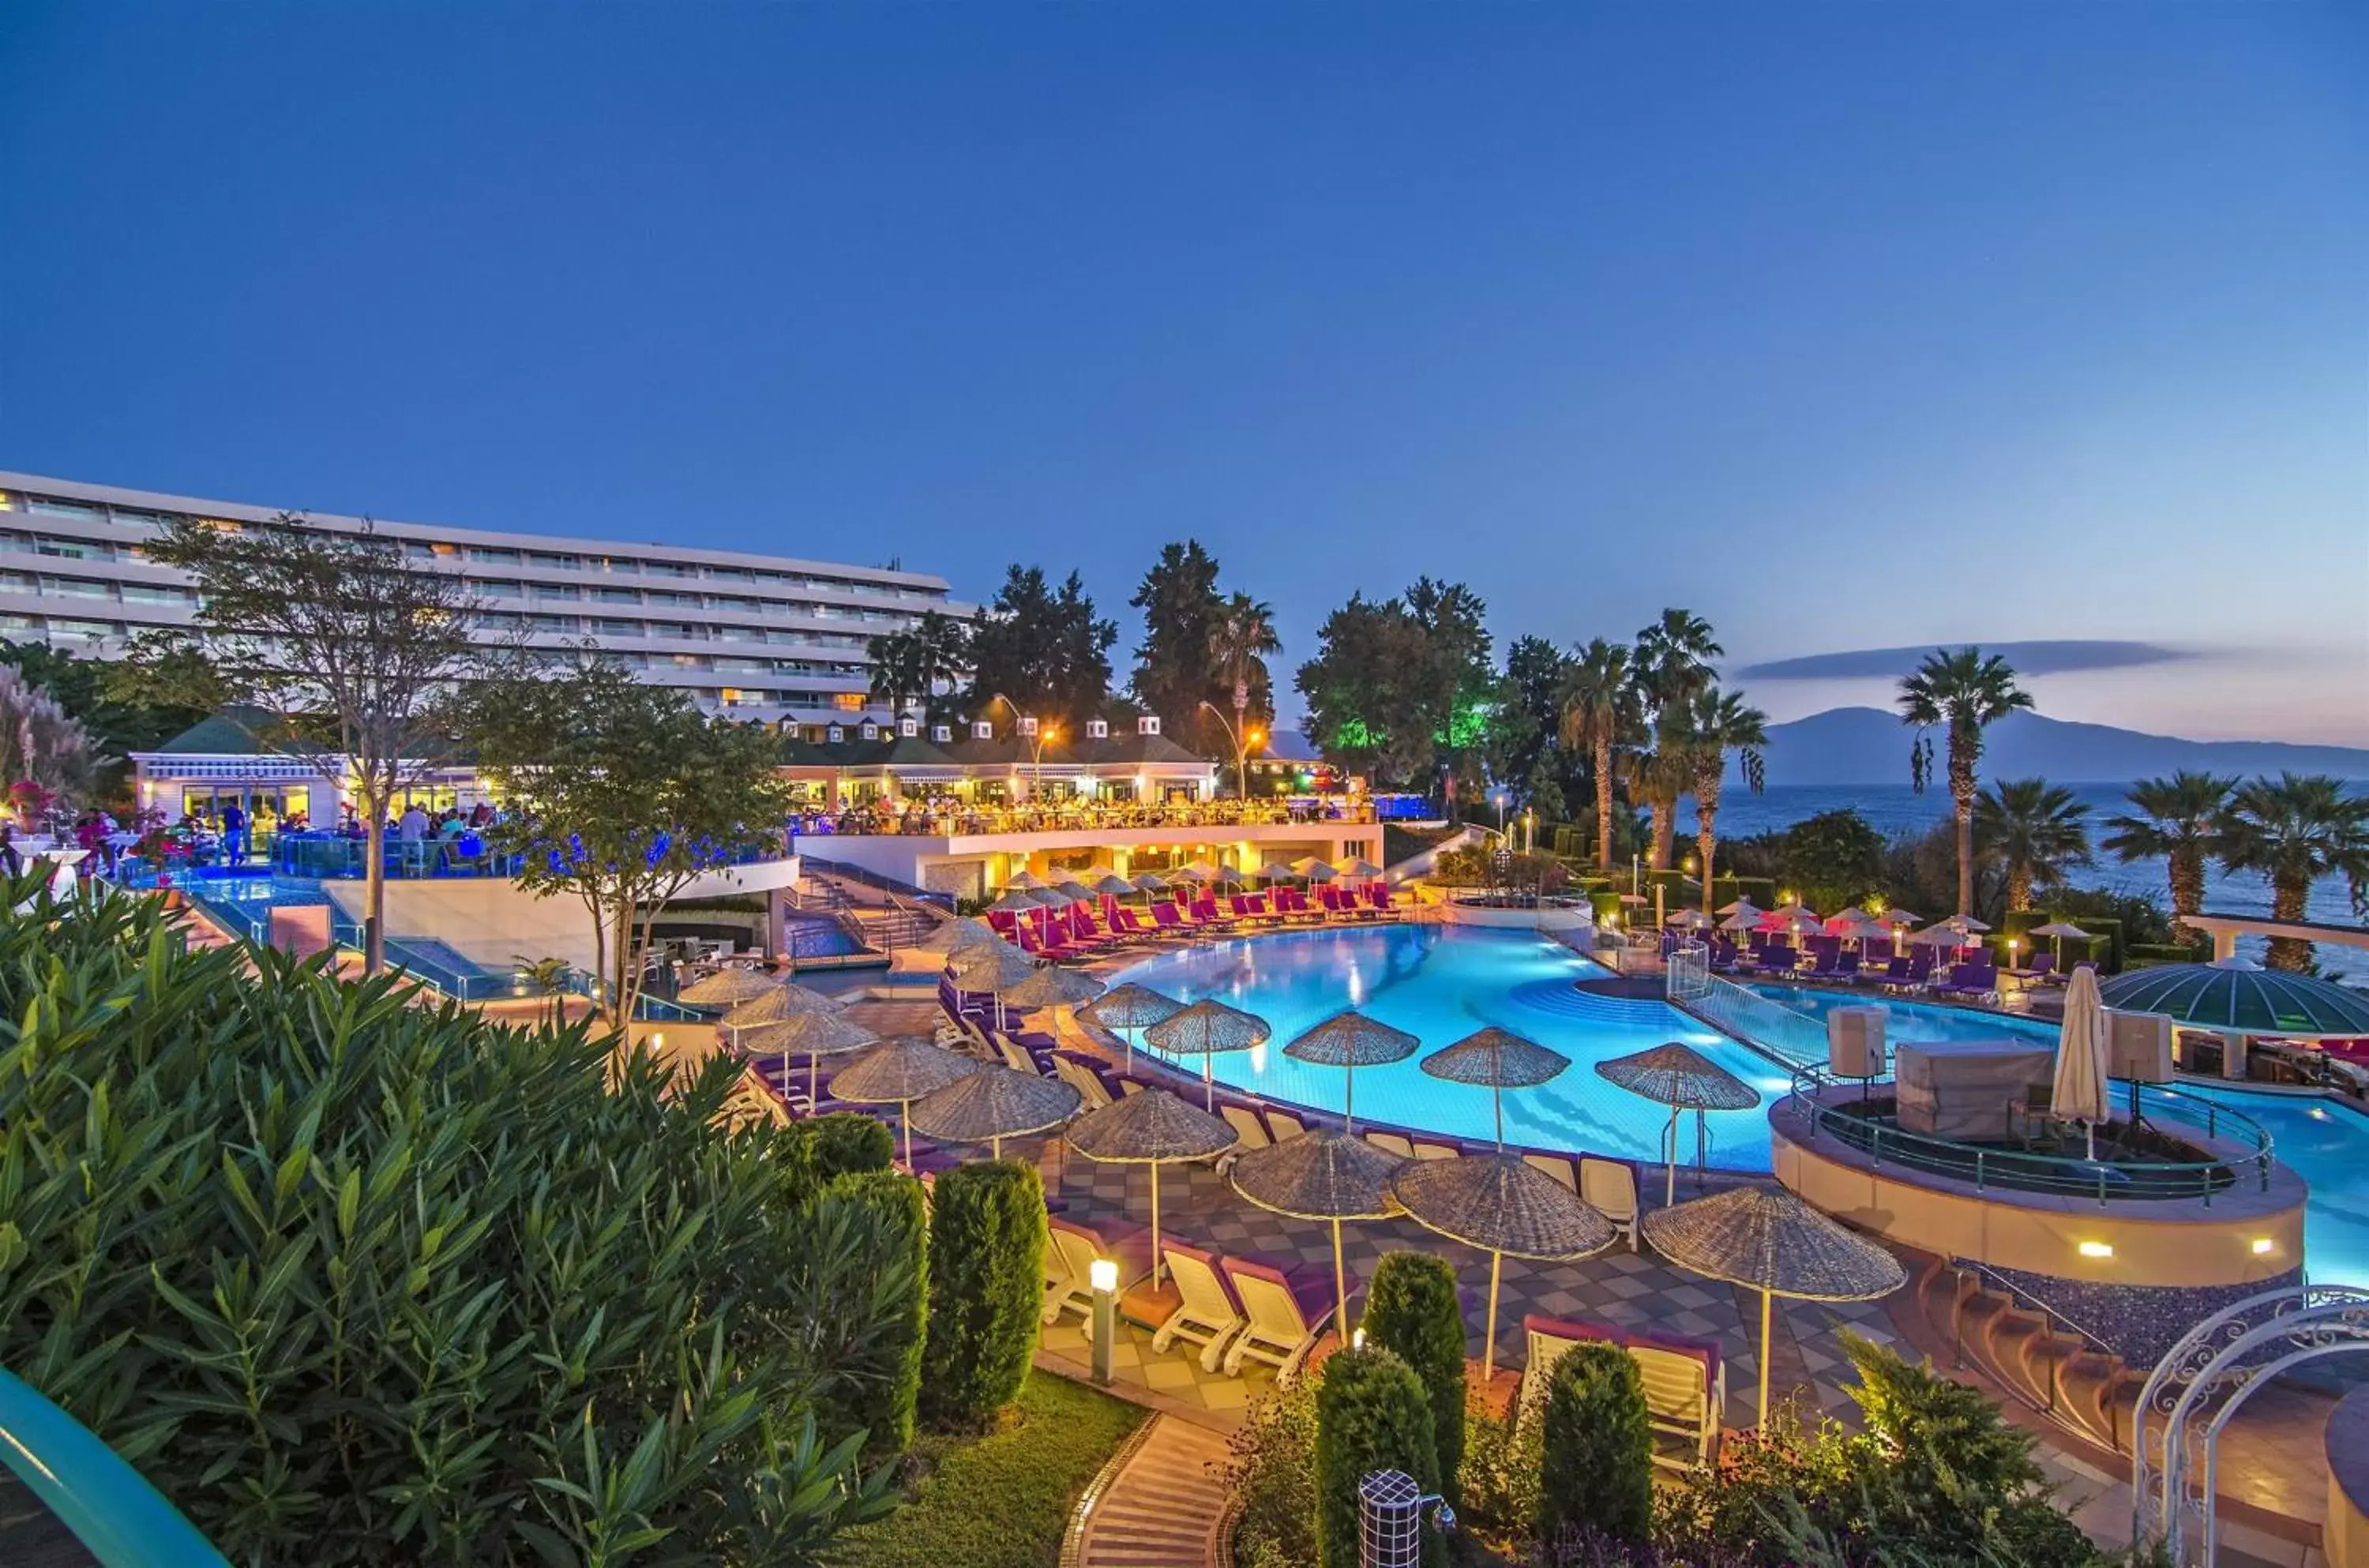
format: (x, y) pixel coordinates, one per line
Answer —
(1497, 1103)
(1349, 1099)
(905, 1115)
(1209, 1081)
(1489, 1339)
(1157, 1262)
(1340, 1288)
(1767, 1298)
(1127, 1034)
(1670, 1147)
(995, 1146)
(786, 1078)
(814, 1082)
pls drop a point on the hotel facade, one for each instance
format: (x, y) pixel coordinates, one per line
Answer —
(762, 636)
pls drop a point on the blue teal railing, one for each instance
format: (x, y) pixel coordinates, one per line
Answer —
(109, 1508)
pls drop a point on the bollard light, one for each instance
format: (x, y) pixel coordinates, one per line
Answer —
(1102, 1275)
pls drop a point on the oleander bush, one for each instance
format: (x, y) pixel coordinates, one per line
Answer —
(357, 1281)
(880, 1380)
(846, 1142)
(1271, 1475)
(987, 1283)
(1597, 1448)
(1371, 1413)
(1412, 1309)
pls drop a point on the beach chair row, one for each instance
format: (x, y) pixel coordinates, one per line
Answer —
(1235, 1309)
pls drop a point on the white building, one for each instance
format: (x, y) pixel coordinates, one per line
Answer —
(768, 636)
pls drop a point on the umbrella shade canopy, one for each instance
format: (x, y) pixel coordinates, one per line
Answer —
(1227, 877)
(1854, 923)
(1355, 866)
(1765, 1238)
(1199, 871)
(1679, 1075)
(1131, 1006)
(1740, 907)
(1117, 886)
(985, 969)
(1797, 922)
(1314, 869)
(1022, 881)
(1497, 1058)
(1150, 882)
(1899, 917)
(959, 936)
(1322, 1175)
(1018, 902)
(1352, 1039)
(1694, 919)
(1151, 1127)
(727, 988)
(808, 1033)
(1501, 1203)
(1207, 1026)
(1276, 871)
(1053, 899)
(776, 1003)
(994, 1102)
(1098, 872)
(907, 1068)
(1049, 988)
(1742, 919)
(1076, 892)
(2066, 928)
(2079, 1087)
(1941, 935)
(2235, 996)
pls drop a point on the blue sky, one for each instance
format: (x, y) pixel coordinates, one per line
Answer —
(1851, 327)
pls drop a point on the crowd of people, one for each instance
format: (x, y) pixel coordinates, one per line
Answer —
(948, 815)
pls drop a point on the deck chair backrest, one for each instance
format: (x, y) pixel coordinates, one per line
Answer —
(1677, 1385)
(1284, 1124)
(1087, 1085)
(1392, 1143)
(1550, 1339)
(1078, 1248)
(1267, 1301)
(1245, 1121)
(1199, 1284)
(1013, 1057)
(1610, 1186)
(1555, 1165)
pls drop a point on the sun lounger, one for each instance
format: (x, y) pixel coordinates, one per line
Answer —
(1207, 1313)
(1283, 1124)
(1686, 1386)
(1090, 1088)
(1070, 1251)
(1285, 1313)
(1610, 1186)
(1245, 1122)
(1167, 918)
(1560, 1166)
(1392, 1143)
(1969, 982)
(1426, 1149)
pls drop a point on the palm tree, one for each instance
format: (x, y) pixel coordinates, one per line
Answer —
(1710, 725)
(2296, 830)
(1673, 662)
(2179, 819)
(1600, 712)
(1965, 692)
(1241, 634)
(2032, 829)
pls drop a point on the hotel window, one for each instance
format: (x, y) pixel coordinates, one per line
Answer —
(619, 595)
(561, 562)
(554, 591)
(499, 588)
(72, 549)
(617, 628)
(848, 702)
(153, 593)
(41, 506)
(93, 631)
(665, 570)
(76, 588)
(690, 662)
(553, 624)
(488, 553)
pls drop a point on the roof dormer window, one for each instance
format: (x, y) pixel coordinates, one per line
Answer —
(1028, 727)
(836, 734)
(981, 730)
(871, 731)
(1098, 730)
(1148, 725)
(909, 727)
(942, 733)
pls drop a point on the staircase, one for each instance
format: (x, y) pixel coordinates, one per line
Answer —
(2031, 1352)
(1165, 1507)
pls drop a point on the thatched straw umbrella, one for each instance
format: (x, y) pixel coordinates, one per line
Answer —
(1022, 881)
(1129, 1008)
(994, 1104)
(1015, 901)
(1765, 1238)
(1357, 868)
(991, 969)
(1204, 1029)
(1150, 1127)
(899, 1072)
(1350, 1040)
(959, 936)
(1074, 891)
(1330, 1176)
(727, 988)
(777, 1002)
(1499, 1203)
(819, 1035)
(1500, 1059)
(1684, 1079)
(1114, 884)
(1148, 881)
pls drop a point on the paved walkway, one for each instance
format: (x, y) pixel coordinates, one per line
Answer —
(1164, 1509)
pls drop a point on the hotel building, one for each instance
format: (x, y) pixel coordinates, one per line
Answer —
(765, 636)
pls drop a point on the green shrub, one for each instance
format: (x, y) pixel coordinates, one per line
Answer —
(987, 1282)
(357, 1281)
(1596, 1443)
(2166, 953)
(1371, 1413)
(1412, 1309)
(850, 1141)
(1272, 1478)
(1497, 1489)
(880, 1386)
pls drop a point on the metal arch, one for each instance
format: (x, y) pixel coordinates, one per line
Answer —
(2318, 1330)
(2194, 1354)
(2210, 1526)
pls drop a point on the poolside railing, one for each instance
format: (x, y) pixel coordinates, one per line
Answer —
(1794, 1039)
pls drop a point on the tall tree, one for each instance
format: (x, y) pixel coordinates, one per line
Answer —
(1455, 685)
(619, 794)
(1241, 634)
(47, 758)
(2295, 829)
(119, 713)
(1525, 737)
(1365, 704)
(2179, 819)
(1173, 677)
(1673, 661)
(2034, 831)
(1963, 691)
(1706, 727)
(921, 664)
(1599, 713)
(347, 654)
(1043, 649)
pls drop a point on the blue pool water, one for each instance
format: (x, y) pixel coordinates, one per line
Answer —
(1440, 984)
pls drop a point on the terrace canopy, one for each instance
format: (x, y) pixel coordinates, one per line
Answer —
(2236, 997)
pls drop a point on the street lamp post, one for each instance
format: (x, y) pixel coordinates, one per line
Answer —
(1244, 740)
(1036, 743)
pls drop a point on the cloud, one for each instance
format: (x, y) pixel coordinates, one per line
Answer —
(2060, 658)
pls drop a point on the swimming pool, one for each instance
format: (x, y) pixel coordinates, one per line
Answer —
(1441, 983)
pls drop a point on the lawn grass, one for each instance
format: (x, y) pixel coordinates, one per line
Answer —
(1001, 1501)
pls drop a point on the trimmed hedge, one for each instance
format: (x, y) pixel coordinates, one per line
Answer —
(881, 1387)
(1596, 1471)
(849, 1142)
(1371, 1413)
(1411, 1310)
(987, 1283)
(2168, 953)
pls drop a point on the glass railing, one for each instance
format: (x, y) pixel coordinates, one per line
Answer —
(1069, 818)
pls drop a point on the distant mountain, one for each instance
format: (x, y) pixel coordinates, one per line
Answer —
(1869, 745)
